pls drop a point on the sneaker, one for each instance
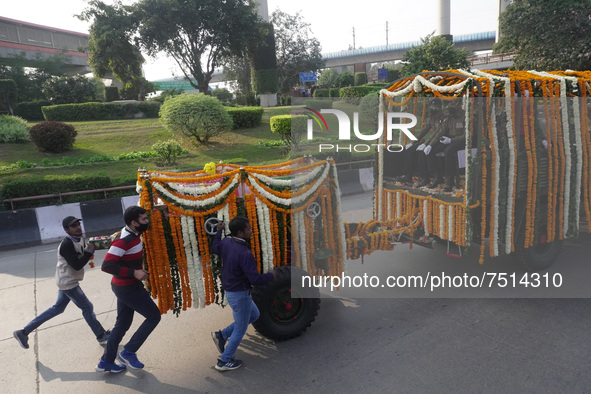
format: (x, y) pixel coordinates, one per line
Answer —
(104, 366)
(218, 339)
(104, 338)
(22, 338)
(130, 359)
(228, 366)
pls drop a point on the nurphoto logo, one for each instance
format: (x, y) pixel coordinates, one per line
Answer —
(345, 130)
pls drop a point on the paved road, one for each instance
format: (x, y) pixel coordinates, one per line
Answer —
(357, 344)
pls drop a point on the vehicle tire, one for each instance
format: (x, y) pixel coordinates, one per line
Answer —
(284, 315)
(540, 256)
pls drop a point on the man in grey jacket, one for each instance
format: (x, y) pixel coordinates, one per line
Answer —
(72, 255)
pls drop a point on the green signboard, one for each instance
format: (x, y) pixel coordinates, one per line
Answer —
(184, 85)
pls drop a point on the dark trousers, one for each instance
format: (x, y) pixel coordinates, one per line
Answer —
(431, 164)
(411, 161)
(128, 302)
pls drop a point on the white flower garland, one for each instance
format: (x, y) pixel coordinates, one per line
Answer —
(194, 265)
(289, 201)
(450, 222)
(441, 218)
(197, 203)
(299, 216)
(265, 230)
(195, 190)
(398, 206)
(298, 180)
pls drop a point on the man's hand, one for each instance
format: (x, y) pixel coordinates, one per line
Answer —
(421, 147)
(220, 225)
(427, 150)
(141, 274)
(91, 247)
(445, 140)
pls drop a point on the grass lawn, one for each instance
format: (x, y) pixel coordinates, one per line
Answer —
(113, 138)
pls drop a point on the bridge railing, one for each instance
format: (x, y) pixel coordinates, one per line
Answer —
(487, 59)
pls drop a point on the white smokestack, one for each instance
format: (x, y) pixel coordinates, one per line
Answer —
(443, 18)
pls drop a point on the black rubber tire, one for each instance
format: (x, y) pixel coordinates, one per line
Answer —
(539, 257)
(282, 315)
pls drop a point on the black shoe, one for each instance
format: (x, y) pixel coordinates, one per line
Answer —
(22, 338)
(423, 182)
(436, 182)
(449, 186)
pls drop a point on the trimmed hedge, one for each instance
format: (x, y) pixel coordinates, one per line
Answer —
(334, 92)
(31, 110)
(353, 94)
(317, 105)
(321, 93)
(101, 111)
(245, 117)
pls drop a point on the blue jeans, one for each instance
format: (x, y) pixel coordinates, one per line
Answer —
(245, 312)
(136, 300)
(63, 299)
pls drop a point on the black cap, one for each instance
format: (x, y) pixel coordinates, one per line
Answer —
(70, 220)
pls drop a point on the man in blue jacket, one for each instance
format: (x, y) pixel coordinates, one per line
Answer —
(239, 273)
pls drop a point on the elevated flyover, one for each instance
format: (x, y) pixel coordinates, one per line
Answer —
(38, 42)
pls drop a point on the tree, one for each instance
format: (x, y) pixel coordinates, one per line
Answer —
(198, 35)
(297, 50)
(110, 45)
(195, 115)
(435, 53)
(327, 77)
(547, 34)
(30, 74)
(71, 89)
(238, 69)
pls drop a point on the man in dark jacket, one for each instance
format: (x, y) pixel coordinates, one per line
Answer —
(72, 255)
(239, 273)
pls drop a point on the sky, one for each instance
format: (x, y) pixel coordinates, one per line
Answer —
(331, 21)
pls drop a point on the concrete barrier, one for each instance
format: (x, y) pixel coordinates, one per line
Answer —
(19, 228)
(349, 182)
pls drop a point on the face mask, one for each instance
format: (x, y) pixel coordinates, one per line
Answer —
(142, 227)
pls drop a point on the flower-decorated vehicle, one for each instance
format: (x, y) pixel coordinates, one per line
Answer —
(524, 183)
(293, 209)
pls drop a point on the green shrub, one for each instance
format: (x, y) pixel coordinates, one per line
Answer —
(223, 95)
(321, 93)
(317, 105)
(360, 79)
(100, 111)
(369, 107)
(168, 151)
(284, 99)
(111, 93)
(334, 92)
(70, 89)
(353, 94)
(195, 115)
(13, 129)
(31, 110)
(246, 117)
(54, 137)
(290, 128)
